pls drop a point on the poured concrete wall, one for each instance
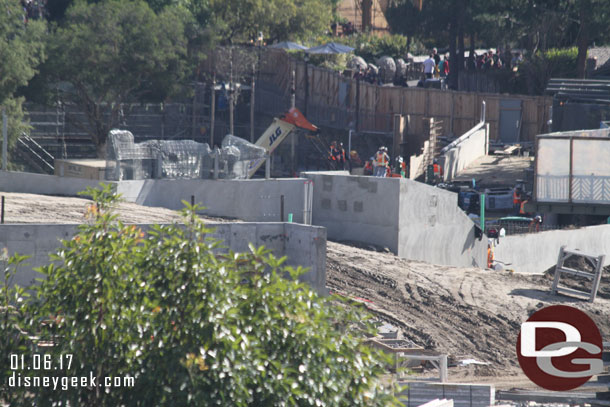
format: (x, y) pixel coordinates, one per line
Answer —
(256, 200)
(537, 252)
(303, 245)
(413, 220)
(357, 208)
(465, 150)
(434, 229)
(30, 183)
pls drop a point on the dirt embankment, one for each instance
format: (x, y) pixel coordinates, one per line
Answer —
(466, 313)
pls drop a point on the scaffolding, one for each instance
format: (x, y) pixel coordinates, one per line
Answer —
(178, 159)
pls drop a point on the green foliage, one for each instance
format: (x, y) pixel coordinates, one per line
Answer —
(195, 324)
(16, 123)
(536, 71)
(13, 337)
(21, 51)
(370, 47)
(241, 20)
(116, 52)
(21, 48)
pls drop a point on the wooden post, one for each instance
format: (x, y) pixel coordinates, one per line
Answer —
(357, 125)
(293, 103)
(399, 128)
(193, 113)
(252, 101)
(444, 376)
(212, 110)
(231, 95)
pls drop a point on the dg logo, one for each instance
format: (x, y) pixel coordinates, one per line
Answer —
(560, 348)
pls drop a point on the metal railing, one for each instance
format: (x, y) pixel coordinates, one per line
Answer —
(582, 189)
(36, 153)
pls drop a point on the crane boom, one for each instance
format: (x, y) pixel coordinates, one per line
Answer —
(277, 132)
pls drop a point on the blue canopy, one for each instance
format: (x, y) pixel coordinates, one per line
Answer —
(287, 45)
(330, 48)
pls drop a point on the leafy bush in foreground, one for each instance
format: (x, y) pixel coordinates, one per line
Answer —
(192, 323)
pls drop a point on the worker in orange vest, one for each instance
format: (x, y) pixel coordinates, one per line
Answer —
(517, 199)
(438, 171)
(490, 254)
(381, 162)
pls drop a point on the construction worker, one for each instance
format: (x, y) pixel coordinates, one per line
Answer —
(381, 162)
(490, 254)
(344, 157)
(438, 171)
(517, 199)
(368, 167)
(334, 156)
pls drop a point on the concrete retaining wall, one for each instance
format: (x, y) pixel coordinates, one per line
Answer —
(413, 220)
(465, 150)
(256, 200)
(30, 183)
(434, 229)
(303, 245)
(357, 208)
(537, 252)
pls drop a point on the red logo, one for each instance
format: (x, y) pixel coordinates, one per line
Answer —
(560, 348)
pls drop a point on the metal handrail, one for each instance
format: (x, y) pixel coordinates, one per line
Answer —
(31, 140)
(28, 138)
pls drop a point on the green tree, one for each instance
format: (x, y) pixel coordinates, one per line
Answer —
(195, 324)
(21, 51)
(242, 20)
(116, 52)
(593, 17)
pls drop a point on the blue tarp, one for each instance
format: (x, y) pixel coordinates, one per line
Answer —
(287, 45)
(330, 48)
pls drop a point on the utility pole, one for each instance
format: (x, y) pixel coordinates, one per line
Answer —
(293, 103)
(252, 99)
(231, 89)
(212, 110)
(4, 140)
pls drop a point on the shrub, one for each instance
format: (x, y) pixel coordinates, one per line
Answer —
(194, 324)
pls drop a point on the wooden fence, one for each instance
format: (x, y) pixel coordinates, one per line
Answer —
(371, 107)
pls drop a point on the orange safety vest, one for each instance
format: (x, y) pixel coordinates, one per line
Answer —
(516, 198)
(381, 159)
(437, 170)
(490, 257)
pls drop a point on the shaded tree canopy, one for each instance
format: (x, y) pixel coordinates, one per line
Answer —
(114, 52)
(21, 51)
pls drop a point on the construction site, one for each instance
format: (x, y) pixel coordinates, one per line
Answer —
(449, 262)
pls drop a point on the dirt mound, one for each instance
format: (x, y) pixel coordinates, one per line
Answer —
(466, 313)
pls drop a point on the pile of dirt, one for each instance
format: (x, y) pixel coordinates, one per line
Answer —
(464, 312)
